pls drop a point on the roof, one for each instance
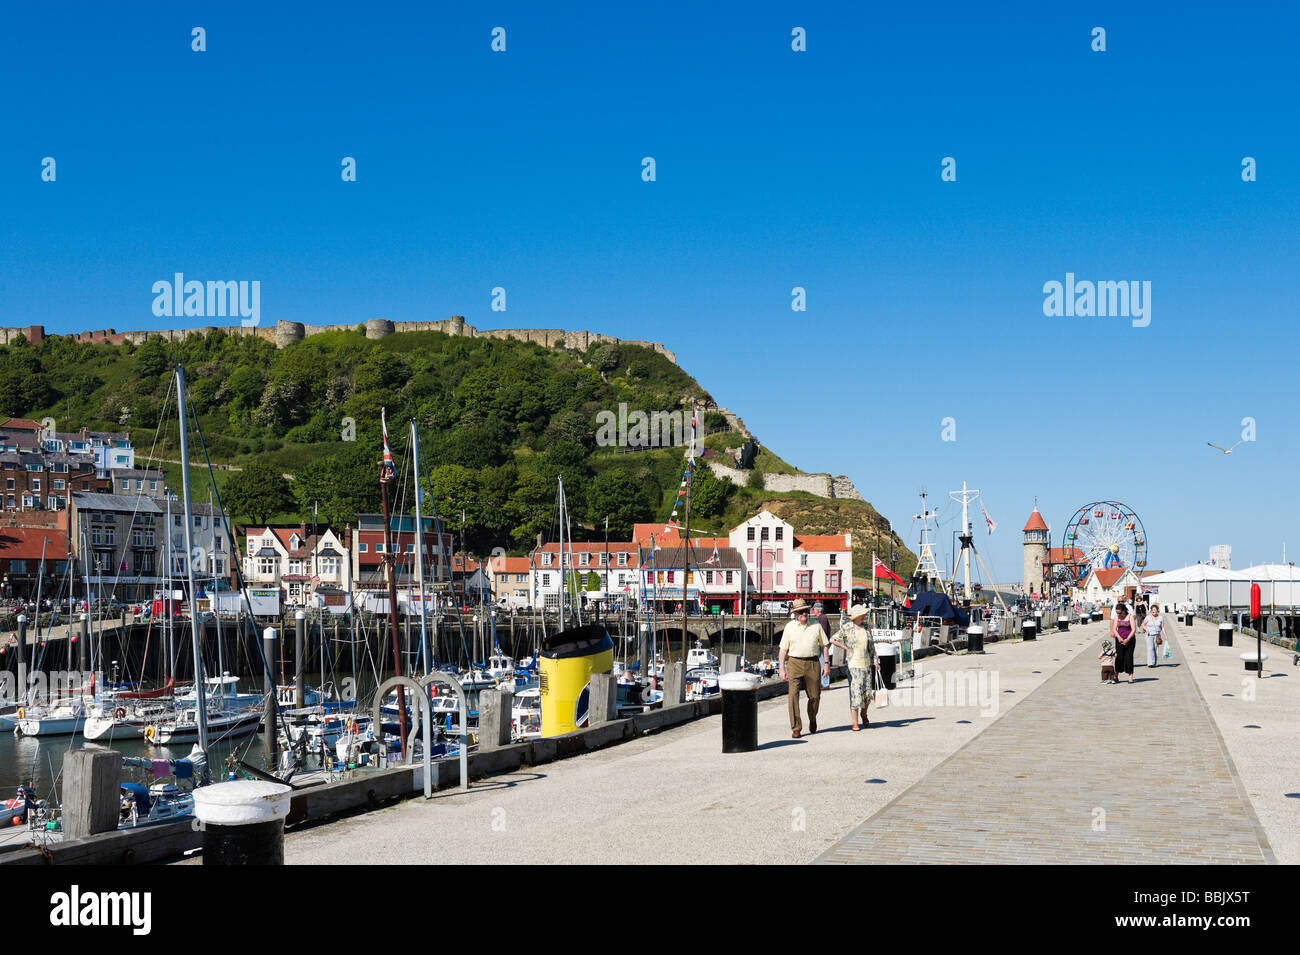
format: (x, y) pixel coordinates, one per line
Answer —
(1106, 576)
(24, 543)
(1035, 522)
(820, 542)
(92, 501)
(670, 558)
(509, 565)
(20, 424)
(590, 548)
(1061, 555)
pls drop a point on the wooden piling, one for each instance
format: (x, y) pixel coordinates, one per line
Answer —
(92, 781)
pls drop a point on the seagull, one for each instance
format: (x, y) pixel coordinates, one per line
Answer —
(1224, 450)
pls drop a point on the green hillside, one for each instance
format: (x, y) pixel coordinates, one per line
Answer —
(499, 420)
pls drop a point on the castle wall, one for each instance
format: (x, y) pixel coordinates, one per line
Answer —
(286, 333)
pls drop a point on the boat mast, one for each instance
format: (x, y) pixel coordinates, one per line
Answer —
(195, 623)
(386, 474)
(419, 545)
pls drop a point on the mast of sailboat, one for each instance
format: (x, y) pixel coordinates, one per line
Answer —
(419, 546)
(213, 603)
(195, 623)
(686, 540)
(386, 473)
(85, 571)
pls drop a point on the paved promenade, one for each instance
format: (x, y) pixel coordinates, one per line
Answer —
(1015, 775)
(1081, 772)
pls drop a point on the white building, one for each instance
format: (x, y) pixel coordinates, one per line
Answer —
(301, 563)
(783, 565)
(1106, 584)
(614, 566)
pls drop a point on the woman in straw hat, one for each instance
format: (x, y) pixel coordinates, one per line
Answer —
(855, 640)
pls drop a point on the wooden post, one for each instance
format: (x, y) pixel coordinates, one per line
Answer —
(674, 683)
(92, 781)
(603, 707)
(494, 723)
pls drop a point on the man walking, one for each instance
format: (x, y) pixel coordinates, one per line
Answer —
(802, 644)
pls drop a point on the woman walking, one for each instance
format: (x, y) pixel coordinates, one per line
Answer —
(1154, 628)
(1121, 629)
(855, 640)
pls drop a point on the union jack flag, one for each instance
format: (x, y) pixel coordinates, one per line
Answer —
(388, 471)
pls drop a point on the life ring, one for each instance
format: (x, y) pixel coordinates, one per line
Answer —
(22, 712)
(150, 732)
(119, 713)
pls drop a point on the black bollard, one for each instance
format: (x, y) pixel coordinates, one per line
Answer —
(1225, 634)
(974, 639)
(739, 712)
(1030, 630)
(242, 822)
(268, 685)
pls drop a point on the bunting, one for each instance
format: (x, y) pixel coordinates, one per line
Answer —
(388, 471)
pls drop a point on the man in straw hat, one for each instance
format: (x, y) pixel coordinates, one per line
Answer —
(801, 664)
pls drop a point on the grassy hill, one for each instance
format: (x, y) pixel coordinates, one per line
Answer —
(499, 422)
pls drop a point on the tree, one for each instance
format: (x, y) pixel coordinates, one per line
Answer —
(614, 494)
(258, 492)
(342, 486)
(709, 495)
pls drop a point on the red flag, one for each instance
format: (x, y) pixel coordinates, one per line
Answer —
(880, 570)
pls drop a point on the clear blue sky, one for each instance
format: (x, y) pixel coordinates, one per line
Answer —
(775, 169)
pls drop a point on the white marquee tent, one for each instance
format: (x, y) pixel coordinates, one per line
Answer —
(1205, 584)
(1279, 584)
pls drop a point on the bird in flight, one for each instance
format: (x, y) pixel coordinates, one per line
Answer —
(1224, 450)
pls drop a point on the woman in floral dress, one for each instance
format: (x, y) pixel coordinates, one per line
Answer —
(855, 640)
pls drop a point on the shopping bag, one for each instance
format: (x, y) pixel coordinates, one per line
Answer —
(1168, 652)
(826, 680)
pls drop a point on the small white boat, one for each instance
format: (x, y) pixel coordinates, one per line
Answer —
(183, 726)
(526, 715)
(59, 719)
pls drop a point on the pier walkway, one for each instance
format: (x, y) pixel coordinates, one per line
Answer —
(1013, 773)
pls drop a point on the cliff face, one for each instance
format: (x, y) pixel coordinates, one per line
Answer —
(286, 333)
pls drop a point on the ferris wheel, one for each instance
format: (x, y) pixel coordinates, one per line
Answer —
(1100, 535)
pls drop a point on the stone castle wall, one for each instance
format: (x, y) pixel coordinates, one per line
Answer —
(822, 485)
(286, 333)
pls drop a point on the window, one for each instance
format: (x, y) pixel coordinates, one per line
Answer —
(729, 577)
(9, 483)
(85, 485)
(622, 558)
(778, 559)
(779, 532)
(833, 556)
(295, 567)
(708, 577)
(148, 539)
(266, 566)
(36, 484)
(778, 578)
(216, 543)
(153, 485)
(670, 576)
(749, 555)
(59, 484)
(546, 560)
(18, 566)
(410, 548)
(804, 580)
(749, 532)
(177, 520)
(198, 522)
(803, 560)
(832, 580)
(604, 559)
(546, 580)
(137, 539)
(379, 548)
(584, 559)
(361, 548)
(765, 533)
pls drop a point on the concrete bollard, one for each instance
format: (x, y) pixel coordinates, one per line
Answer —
(242, 822)
(674, 683)
(974, 638)
(92, 796)
(603, 700)
(739, 712)
(494, 717)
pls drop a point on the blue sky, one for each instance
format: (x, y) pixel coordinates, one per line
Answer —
(775, 169)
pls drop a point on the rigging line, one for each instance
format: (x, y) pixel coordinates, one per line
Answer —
(140, 496)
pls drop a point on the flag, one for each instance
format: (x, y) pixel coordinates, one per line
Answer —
(714, 558)
(987, 519)
(880, 570)
(388, 471)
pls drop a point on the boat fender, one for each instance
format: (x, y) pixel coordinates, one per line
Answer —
(22, 712)
(149, 733)
(119, 713)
